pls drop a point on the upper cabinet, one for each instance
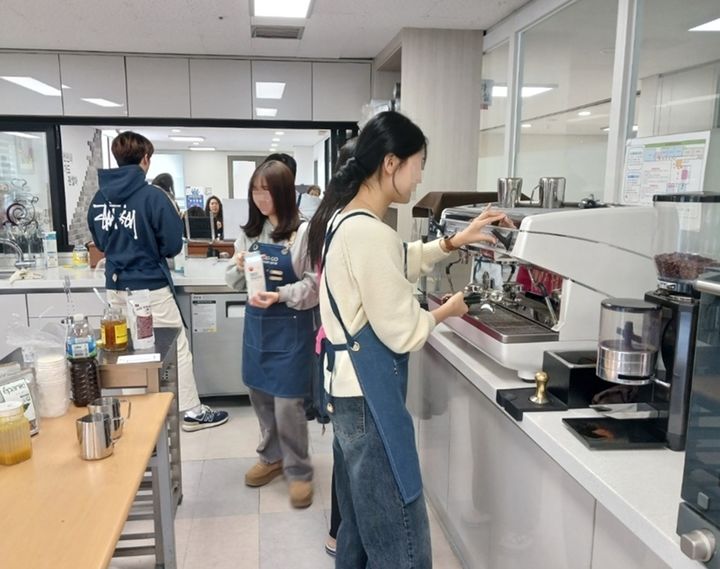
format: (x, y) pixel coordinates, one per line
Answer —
(340, 90)
(94, 85)
(30, 84)
(282, 90)
(158, 87)
(220, 88)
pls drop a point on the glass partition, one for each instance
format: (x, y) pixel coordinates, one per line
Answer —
(492, 119)
(678, 68)
(26, 208)
(567, 68)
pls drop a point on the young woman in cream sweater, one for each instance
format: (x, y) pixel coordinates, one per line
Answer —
(372, 320)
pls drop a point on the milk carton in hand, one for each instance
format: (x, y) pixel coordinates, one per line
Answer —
(254, 273)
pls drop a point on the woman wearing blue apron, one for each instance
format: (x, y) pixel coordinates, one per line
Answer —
(278, 342)
(372, 320)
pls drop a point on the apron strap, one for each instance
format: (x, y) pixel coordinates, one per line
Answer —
(328, 239)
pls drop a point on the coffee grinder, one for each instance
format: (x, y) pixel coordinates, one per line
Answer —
(652, 342)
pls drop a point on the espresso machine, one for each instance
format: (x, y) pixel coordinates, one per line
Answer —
(653, 341)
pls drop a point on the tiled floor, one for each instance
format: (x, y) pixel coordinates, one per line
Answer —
(224, 524)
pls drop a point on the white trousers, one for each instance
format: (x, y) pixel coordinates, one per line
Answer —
(166, 314)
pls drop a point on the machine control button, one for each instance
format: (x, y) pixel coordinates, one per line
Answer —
(703, 501)
(698, 544)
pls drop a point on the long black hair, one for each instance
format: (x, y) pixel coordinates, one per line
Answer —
(386, 133)
(280, 181)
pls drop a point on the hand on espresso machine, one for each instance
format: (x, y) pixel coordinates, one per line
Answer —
(453, 305)
(476, 232)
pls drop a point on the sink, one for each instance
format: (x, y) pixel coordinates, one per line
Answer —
(6, 273)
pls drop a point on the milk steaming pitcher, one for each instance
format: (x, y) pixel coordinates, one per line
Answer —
(111, 406)
(94, 434)
(551, 192)
(509, 191)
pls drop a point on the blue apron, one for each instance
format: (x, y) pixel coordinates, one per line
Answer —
(278, 343)
(383, 377)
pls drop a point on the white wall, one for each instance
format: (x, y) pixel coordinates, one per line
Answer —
(207, 169)
(304, 156)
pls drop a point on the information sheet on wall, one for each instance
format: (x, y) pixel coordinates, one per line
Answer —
(664, 165)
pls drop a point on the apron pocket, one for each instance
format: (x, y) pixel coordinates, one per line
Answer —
(277, 334)
(349, 418)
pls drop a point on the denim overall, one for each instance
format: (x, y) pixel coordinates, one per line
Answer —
(278, 345)
(383, 377)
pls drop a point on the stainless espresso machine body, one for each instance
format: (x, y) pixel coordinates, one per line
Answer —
(539, 286)
(699, 513)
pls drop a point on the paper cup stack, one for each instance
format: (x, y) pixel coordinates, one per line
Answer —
(53, 385)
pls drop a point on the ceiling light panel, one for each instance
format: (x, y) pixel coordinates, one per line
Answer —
(712, 26)
(265, 112)
(187, 138)
(101, 102)
(269, 90)
(202, 148)
(280, 8)
(21, 134)
(527, 91)
(34, 85)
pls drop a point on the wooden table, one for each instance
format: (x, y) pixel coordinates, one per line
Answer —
(60, 511)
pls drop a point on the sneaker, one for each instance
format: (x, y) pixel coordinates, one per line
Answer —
(206, 419)
(331, 546)
(262, 473)
(301, 493)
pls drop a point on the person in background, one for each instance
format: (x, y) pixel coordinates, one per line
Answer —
(278, 337)
(165, 182)
(331, 542)
(372, 320)
(138, 228)
(286, 159)
(315, 190)
(213, 207)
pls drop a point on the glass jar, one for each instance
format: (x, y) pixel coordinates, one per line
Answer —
(80, 256)
(113, 329)
(15, 444)
(687, 238)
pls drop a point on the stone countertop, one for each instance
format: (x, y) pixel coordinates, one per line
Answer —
(640, 488)
(198, 272)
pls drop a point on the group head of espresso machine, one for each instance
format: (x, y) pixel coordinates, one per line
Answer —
(538, 287)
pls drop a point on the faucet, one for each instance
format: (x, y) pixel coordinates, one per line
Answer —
(21, 262)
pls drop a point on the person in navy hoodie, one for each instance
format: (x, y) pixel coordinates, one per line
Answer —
(138, 228)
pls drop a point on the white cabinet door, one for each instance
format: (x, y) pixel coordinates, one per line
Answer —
(158, 87)
(340, 90)
(10, 305)
(97, 85)
(30, 84)
(616, 546)
(220, 89)
(282, 90)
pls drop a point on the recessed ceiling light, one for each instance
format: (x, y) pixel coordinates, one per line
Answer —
(176, 130)
(34, 85)
(527, 91)
(279, 132)
(276, 140)
(584, 113)
(266, 90)
(526, 125)
(202, 148)
(606, 129)
(196, 143)
(110, 133)
(101, 102)
(265, 112)
(712, 26)
(272, 149)
(65, 86)
(21, 134)
(280, 8)
(635, 128)
(187, 138)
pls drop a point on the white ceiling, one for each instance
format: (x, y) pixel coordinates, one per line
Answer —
(335, 29)
(236, 140)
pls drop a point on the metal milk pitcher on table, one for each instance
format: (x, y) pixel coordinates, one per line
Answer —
(509, 191)
(551, 192)
(94, 433)
(111, 406)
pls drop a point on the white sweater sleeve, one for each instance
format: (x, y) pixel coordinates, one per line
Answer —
(421, 258)
(303, 293)
(387, 298)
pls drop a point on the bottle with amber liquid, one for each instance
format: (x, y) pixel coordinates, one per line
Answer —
(15, 444)
(113, 329)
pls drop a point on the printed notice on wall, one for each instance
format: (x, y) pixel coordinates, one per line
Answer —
(664, 165)
(204, 316)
